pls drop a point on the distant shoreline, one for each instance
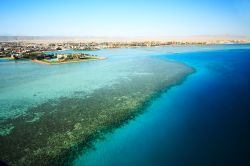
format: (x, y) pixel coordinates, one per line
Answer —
(197, 38)
(76, 39)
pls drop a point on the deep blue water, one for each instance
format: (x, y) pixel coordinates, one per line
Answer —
(203, 121)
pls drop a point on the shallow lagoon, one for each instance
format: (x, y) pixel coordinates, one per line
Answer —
(50, 113)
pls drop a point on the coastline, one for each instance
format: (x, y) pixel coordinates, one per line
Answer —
(70, 61)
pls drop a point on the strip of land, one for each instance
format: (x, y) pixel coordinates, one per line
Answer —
(35, 47)
(48, 62)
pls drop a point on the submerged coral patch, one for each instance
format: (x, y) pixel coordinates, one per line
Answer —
(56, 131)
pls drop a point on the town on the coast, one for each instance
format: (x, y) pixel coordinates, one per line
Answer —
(52, 52)
(47, 53)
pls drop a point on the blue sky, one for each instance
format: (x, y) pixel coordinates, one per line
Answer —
(129, 18)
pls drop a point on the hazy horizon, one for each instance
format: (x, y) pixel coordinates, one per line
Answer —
(42, 39)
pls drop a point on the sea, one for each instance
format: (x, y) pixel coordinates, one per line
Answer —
(202, 120)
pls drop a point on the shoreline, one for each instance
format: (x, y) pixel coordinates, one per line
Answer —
(65, 62)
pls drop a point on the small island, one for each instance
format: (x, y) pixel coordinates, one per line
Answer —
(53, 59)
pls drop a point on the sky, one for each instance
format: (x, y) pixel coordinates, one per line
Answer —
(125, 18)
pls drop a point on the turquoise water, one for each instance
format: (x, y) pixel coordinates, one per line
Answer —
(203, 121)
(24, 84)
(53, 98)
(62, 108)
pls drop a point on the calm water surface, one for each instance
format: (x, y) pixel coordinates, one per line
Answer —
(203, 121)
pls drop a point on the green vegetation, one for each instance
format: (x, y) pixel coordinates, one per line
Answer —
(60, 61)
(30, 55)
